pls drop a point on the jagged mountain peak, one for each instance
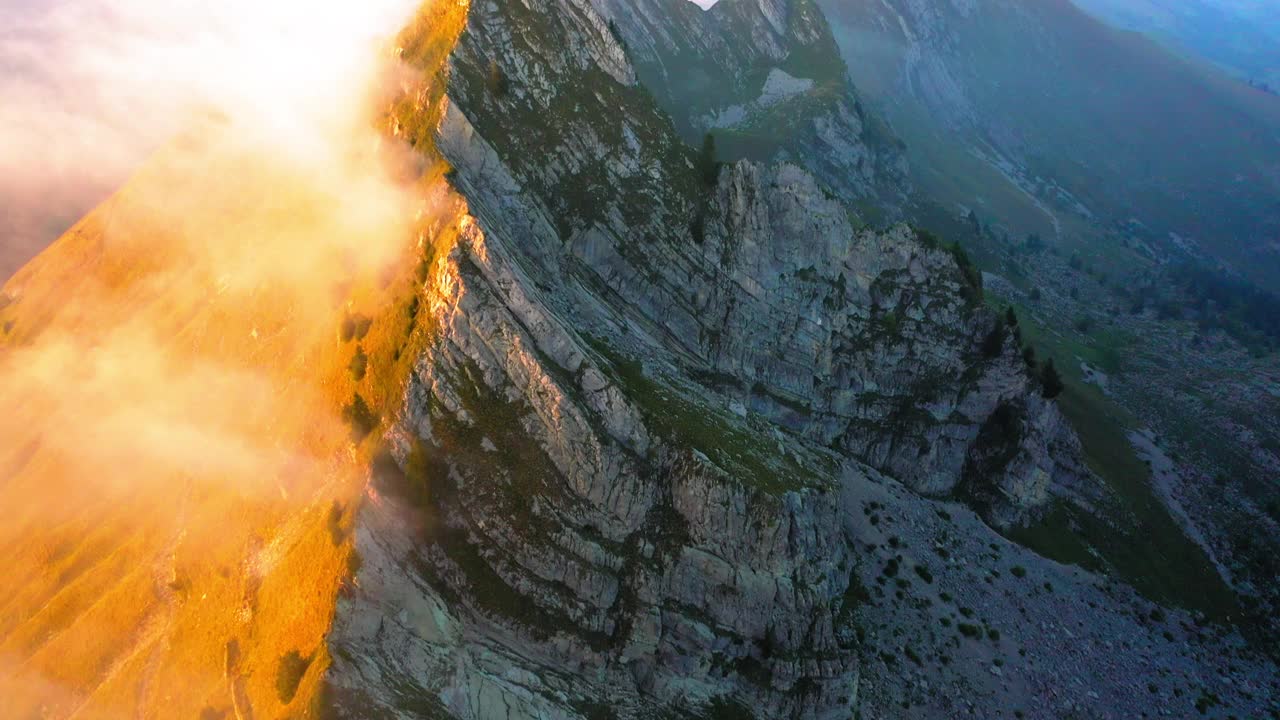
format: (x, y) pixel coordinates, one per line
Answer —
(651, 380)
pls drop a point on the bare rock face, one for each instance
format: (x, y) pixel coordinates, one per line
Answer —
(615, 480)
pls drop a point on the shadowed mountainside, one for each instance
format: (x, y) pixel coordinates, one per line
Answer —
(1090, 126)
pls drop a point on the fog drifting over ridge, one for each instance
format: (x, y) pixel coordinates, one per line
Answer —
(176, 375)
(92, 88)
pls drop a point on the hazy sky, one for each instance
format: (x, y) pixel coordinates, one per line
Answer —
(91, 87)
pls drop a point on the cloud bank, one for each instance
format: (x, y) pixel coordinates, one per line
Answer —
(92, 87)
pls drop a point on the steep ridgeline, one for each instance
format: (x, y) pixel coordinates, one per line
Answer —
(765, 77)
(619, 463)
(1043, 119)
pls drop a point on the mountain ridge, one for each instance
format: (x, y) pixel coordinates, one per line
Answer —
(627, 432)
(608, 498)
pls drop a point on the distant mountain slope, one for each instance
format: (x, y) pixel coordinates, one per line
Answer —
(1042, 117)
(766, 79)
(1242, 36)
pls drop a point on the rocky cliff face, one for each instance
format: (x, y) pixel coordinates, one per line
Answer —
(616, 479)
(766, 78)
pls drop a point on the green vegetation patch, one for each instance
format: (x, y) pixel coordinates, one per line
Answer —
(293, 666)
(1135, 536)
(734, 445)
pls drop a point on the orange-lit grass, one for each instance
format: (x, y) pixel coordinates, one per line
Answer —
(130, 578)
(127, 595)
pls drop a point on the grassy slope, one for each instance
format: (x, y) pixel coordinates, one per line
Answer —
(1135, 536)
(131, 580)
(136, 581)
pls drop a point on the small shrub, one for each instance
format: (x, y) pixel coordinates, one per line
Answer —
(411, 310)
(354, 327)
(497, 80)
(924, 573)
(616, 32)
(1051, 380)
(289, 675)
(911, 655)
(724, 708)
(927, 238)
(708, 165)
(1018, 571)
(968, 630)
(993, 343)
(336, 533)
(1206, 701)
(359, 365)
(359, 418)
(698, 229)
(892, 322)
(971, 289)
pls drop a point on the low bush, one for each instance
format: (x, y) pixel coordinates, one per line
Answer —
(289, 675)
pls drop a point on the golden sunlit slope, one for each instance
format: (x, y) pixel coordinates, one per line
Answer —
(192, 379)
